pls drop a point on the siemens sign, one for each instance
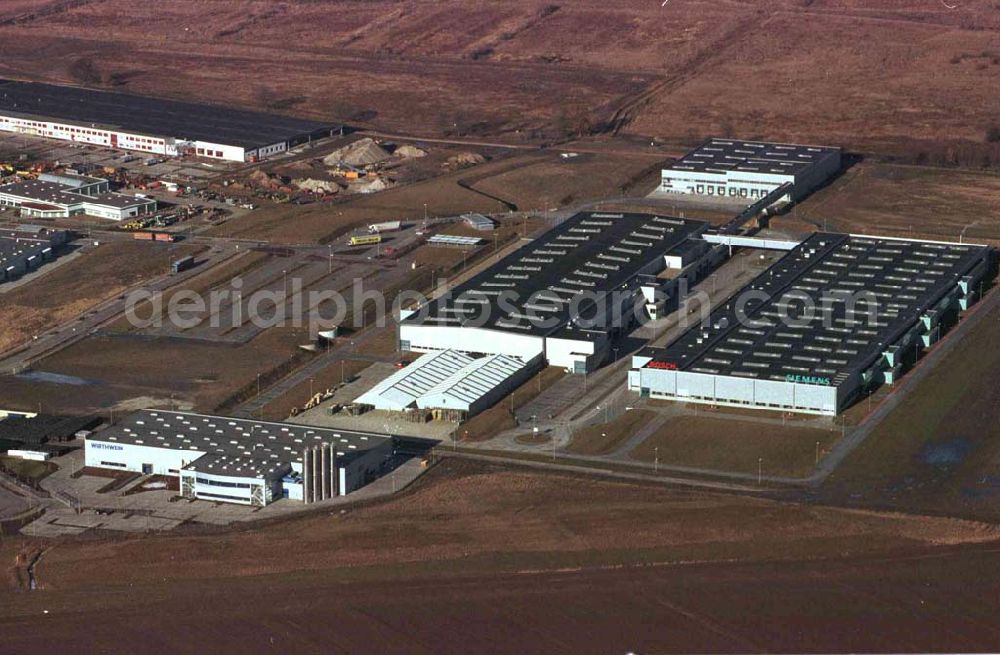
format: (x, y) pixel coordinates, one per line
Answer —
(104, 446)
(808, 379)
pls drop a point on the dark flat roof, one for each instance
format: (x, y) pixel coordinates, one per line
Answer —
(234, 446)
(54, 193)
(590, 252)
(17, 245)
(43, 428)
(718, 155)
(153, 116)
(905, 279)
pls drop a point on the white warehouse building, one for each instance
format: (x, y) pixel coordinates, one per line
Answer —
(241, 461)
(450, 380)
(742, 172)
(60, 195)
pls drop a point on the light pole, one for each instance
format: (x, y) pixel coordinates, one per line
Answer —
(656, 459)
(760, 470)
(817, 452)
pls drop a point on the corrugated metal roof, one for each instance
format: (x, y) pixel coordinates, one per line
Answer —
(467, 385)
(402, 389)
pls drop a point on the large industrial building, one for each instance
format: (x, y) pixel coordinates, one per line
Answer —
(875, 302)
(151, 125)
(453, 384)
(741, 172)
(563, 297)
(60, 195)
(241, 461)
(26, 248)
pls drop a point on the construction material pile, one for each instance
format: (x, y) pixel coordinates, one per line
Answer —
(363, 152)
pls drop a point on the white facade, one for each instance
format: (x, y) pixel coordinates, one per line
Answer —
(428, 338)
(142, 143)
(577, 355)
(740, 172)
(138, 458)
(731, 391)
(49, 198)
(240, 480)
(242, 490)
(88, 135)
(577, 351)
(729, 186)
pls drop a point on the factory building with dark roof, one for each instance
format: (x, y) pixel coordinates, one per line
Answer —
(835, 317)
(151, 125)
(741, 172)
(240, 460)
(563, 296)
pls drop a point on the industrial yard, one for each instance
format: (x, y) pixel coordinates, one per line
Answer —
(440, 316)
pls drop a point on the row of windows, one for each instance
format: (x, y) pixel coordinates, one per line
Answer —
(117, 464)
(713, 399)
(242, 499)
(100, 133)
(733, 191)
(219, 483)
(209, 153)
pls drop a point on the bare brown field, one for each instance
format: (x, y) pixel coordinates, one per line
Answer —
(72, 288)
(120, 368)
(413, 68)
(463, 513)
(324, 222)
(907, 201)
(890, 76)
(556, 182)
(733, 445)
(519, 558)
(939, 449)
(603, 438)
(886, 79)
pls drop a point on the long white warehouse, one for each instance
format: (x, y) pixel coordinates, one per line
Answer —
(150, 125)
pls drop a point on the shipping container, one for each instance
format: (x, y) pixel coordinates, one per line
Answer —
(387, 226)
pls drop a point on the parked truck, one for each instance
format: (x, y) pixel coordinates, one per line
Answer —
(387, 226)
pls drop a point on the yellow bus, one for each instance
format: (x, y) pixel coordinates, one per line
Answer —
(365, 240)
